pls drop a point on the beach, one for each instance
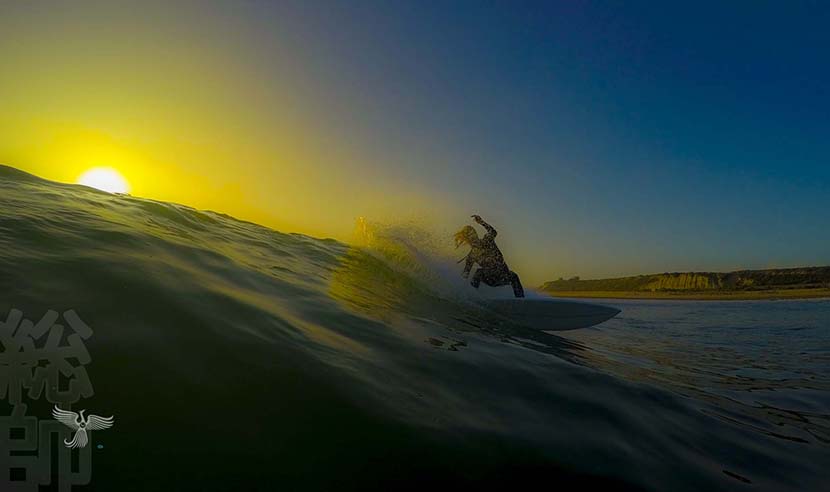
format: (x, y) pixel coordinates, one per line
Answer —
(775, 294)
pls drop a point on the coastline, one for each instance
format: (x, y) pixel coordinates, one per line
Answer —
(759, 295)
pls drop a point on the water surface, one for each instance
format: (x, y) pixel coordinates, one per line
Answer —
(236, 357)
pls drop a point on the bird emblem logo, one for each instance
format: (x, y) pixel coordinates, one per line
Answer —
(81, 425)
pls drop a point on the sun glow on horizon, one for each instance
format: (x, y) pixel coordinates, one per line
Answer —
(104, 179)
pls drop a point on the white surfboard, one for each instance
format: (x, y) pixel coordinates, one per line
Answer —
(551, 314)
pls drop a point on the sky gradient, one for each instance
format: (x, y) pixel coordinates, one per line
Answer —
(599, 141)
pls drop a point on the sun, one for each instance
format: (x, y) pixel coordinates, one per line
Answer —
(105, 179)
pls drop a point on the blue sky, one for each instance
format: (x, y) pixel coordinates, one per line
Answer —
(627, 140)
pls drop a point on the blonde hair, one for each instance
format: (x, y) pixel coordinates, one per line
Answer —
(465, 235)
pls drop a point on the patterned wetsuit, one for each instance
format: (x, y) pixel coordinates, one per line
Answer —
(492, 270)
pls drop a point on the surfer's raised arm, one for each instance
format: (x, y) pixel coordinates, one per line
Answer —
(490, 231)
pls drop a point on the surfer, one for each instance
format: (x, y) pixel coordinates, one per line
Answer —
(492, 270)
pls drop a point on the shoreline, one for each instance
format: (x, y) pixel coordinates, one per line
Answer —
(761, 295)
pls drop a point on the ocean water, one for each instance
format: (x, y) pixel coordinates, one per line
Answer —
(235, 357)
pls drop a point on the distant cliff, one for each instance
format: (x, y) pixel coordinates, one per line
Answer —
(744, 280)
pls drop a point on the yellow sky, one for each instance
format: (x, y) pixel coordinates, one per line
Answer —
(183, 118)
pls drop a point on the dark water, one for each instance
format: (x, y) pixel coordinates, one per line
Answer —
(235, 357)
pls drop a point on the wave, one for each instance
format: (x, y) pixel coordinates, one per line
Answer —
(265, 355)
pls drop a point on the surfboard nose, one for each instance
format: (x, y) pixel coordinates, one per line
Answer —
(553, 314)
(598, 311)
(611, 311)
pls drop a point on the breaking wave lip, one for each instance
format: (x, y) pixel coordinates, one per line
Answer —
(378, 347)
(411, 249)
